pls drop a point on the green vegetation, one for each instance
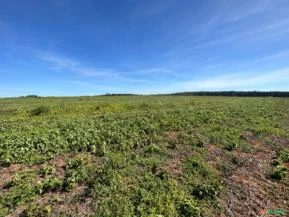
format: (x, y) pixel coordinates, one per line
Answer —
(280, 170)
(39, 110)
(133, 155)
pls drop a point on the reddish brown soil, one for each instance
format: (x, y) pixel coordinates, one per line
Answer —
(76, 202)
(175, 166)
(6, 173)
(248, 187)
(62, 203)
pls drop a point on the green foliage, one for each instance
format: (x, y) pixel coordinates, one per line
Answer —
(283, 155)
(238, 161)
(137, 156)
(32, 96)
(46, 170)
(75, 172)
(196, 166)
(153, 149)
(153, 197)
(206, 190)
(225, 168)
(39, 110)
(50, 184)
(279, 172)
(35, 210)
(22, 189)
(231, 146)
(191, 139)
(188, 208)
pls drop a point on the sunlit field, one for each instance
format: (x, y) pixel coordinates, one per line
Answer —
(158, 156)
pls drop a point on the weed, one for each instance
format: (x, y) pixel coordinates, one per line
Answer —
(279, 172)
(283, 155)
(206, 190)
(75, 172)
(46, 170)
(153, 149)
(130, 142)
(35, 210)
(189, 208)
(39, 110)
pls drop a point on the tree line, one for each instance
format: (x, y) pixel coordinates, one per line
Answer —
(235, 93)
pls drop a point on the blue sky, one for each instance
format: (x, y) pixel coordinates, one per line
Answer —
(89, 47)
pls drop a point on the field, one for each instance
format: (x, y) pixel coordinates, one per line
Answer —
(157, 156)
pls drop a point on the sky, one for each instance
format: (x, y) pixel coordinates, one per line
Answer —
(91, 47)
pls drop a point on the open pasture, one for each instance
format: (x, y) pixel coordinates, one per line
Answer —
(143, 156)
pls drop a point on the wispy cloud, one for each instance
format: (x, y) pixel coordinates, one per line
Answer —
(154, 70)
(61, 63)
(57, 61)
(267, 31)
(247, 9)
(64, 63)
(149, 9)
(264, 59)
(231, 22)
(273, 56)
(160, 72)
(238, 80)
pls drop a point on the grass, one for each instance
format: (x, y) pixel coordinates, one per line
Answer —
(162, 155)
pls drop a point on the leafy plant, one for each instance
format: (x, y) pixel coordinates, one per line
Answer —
(35, 210)
(39, 110)
(132, 155)
(279, 172)
(189, 208)
(283, 155)
(206, 190)
(75, 172)
(153, 149)
(46, 170)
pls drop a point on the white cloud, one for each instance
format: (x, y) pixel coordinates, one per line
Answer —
(267, 31)
(264, 60)
(247, 9)
(57, 61)
(66, 64)
(280, 54)
(63, 63)
(154, 70)
(231, 22)
(238, 80)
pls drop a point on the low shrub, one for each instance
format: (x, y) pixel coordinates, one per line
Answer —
(189, 208)
(206, 190)
(279, 172)
(39, 110)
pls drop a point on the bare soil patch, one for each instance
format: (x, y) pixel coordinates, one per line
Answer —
(248, 187)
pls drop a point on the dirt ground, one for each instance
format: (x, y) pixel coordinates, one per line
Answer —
(248, 187)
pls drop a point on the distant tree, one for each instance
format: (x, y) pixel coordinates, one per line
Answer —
(235, 93)
(32, 96)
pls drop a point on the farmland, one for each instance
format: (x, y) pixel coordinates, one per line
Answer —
(143, 156)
